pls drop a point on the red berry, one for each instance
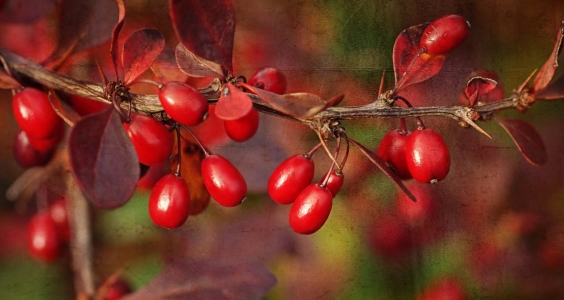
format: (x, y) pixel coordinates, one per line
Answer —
(183, 103)
(35, 115)
(169, 203)
(117, 290)
(59, 215)
(223, 181)
(335, 181)
(311, 209)
(86, 106)
(42, 240)
(444, 34)
(290, 178)
(269, 79)
(448, 288)
(419, 211)
(390, 236)
(27, 156)
(50, 143)
(242, 129)
(392, 151)
(151, 139)
(427, 156)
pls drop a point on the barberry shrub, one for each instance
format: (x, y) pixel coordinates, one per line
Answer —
(442, 211)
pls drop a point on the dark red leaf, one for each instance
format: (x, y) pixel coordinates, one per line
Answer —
(196, 66)
(383, 166)
(410, 64)
(527, 139)
(208, 279)
(92, 22)
(115, 35)
(233, 103)
(64, 110)
(103, 159)
(8, 82)
(299, 105)
(25, 10)
(553, 91)
(206, 28)
(165, 67)
(139, 52)
(549, 68)
(477, 87)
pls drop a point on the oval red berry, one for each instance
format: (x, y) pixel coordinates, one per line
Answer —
(183, 103)
(169, 203)
(151, 139)
(42, 240)
(311, 209)
(290, 178)
(392, 151)
(223, 181)
(427, 156)
(35, 115)
(335, 181)
(269, 79)
(27, 156)
(444, 34)
(242, 129)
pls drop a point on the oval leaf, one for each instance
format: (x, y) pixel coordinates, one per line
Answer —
(549, 68)
(208, 279)
(299, 105)
(424, 67)
(23, 11)
(384, 167)
(64, 110)
(115, 35)
(527, 139)
(92, 22)
(165, 67)
(554, 91)
(233, 103)
(477, 87)
(196, 66)
(206, 28)
(103, 159)
(140, 50)
(8, 82)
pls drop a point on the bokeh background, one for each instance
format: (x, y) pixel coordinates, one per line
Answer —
(495, 226)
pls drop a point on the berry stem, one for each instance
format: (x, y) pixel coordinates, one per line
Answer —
(420, 124)
(124, 117)
(206, 153)
(178, 149)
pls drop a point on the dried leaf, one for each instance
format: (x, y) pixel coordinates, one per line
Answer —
(553, 91)
(92, 22)
(65, 111)
(191, 161)
(477, 87)
(103, 159)
(139, 52)
(8, 82)
(165, 67)
(23, 11)
(206, 28)
(208, 279)
(527, 139)
(299, 105)
(115, 35)
(549, 68)
(233, 103)
(196, 66)
(384, 167)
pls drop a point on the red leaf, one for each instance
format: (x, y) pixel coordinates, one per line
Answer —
(65, 111)
(196, 66)
(233, 103)
(115, 34)
(22, 11)
(554, 91)
(139, 52)
(209, 279)
(103, 159)
(384, 167)
(549, 68)
(299, 105)
(527, 139)
(92, 22)
(477, 87)
(406, 48)
(8, 82)
(206, 28)
(165, 67)
(424, 67)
